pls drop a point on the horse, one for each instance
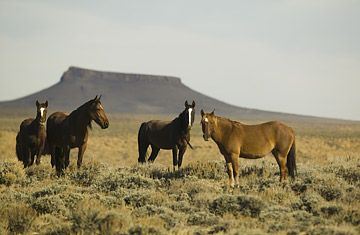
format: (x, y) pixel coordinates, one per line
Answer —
(174, 135)
(65, 132)
(235, 140)
(30, 140)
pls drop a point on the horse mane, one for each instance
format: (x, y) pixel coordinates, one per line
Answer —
(228, 120)
(81, 109)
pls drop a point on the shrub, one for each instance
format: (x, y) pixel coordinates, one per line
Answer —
(38, 172)
(329, 211)
(87, 174)
(113, 181)
(11, 172)
(49, 205)
(19, 218)
(49, 191)
(244, 205)
(329, 192)
(143, 229)
(51, 225)
(309, 202)
(202, 219)
(353, 217)
(142, 198)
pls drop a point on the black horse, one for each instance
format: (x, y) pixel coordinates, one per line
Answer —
(174, 135)
(30, 140)
(65, 132)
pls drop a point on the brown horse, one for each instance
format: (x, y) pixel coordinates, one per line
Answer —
(236, 140)
(174, 135)
(30, 140)
(65, 132)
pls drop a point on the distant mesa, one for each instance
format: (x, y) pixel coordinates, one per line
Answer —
(88, 75)
(131, 93)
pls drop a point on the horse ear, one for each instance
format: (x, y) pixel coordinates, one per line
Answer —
(212, 113)
(37, 103)
(96, 97)
(99, 97)
(193, 104)
(202, 112)
(186, 104)
(46, 104)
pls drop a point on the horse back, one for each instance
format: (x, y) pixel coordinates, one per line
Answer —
(262, 138)
(54, 125)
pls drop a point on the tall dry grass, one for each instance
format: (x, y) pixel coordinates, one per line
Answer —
(112, 194)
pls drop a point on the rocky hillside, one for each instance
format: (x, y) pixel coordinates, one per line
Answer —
(131, 93)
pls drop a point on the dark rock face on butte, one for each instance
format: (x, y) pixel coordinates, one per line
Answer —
(130, 93)
(121, 92)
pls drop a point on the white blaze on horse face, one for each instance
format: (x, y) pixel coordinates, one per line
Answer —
(190, 111)
(101, 107)
(206, 120)
(42, 111)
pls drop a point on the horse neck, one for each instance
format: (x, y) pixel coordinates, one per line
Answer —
(80, 119)
(37, 122)
(222, 127)
(177, 125)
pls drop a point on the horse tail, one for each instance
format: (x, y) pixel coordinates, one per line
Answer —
(142, 142)
(18, 147)
(291, 161)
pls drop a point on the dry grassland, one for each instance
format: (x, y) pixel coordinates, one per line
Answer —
(112, 194)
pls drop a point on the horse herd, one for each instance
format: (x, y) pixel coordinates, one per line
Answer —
(234, 139)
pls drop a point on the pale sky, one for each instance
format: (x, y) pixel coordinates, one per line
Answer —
(294, 56)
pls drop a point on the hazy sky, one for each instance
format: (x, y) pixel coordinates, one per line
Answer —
(294, 56)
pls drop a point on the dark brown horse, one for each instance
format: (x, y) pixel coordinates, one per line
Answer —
(235, 140)
(30, 140)
(174, 135)
(65, 132)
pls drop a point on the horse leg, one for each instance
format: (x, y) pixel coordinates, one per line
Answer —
(143, 146)
(182, 150)
(67, 155)
(59, 161)
(52, 154)
(26, 156)
(39, 153)
(281, 161)
(154, 152)
(32, 158)
(82, 149)
(175, 159)
(235, 166)
(230, 171)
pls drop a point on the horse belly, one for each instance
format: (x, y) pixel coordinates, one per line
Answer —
(251, 156)
(161, 140)
(256, 150)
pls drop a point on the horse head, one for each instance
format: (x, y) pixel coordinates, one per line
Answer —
(41, 111)
(97, 113)
(207, 124)
(188, 115)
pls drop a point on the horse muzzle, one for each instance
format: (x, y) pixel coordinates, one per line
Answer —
(105, 125)
(206, 138)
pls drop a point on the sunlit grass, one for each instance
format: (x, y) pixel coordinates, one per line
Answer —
(113, 194)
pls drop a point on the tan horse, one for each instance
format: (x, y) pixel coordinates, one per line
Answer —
(235, 140)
